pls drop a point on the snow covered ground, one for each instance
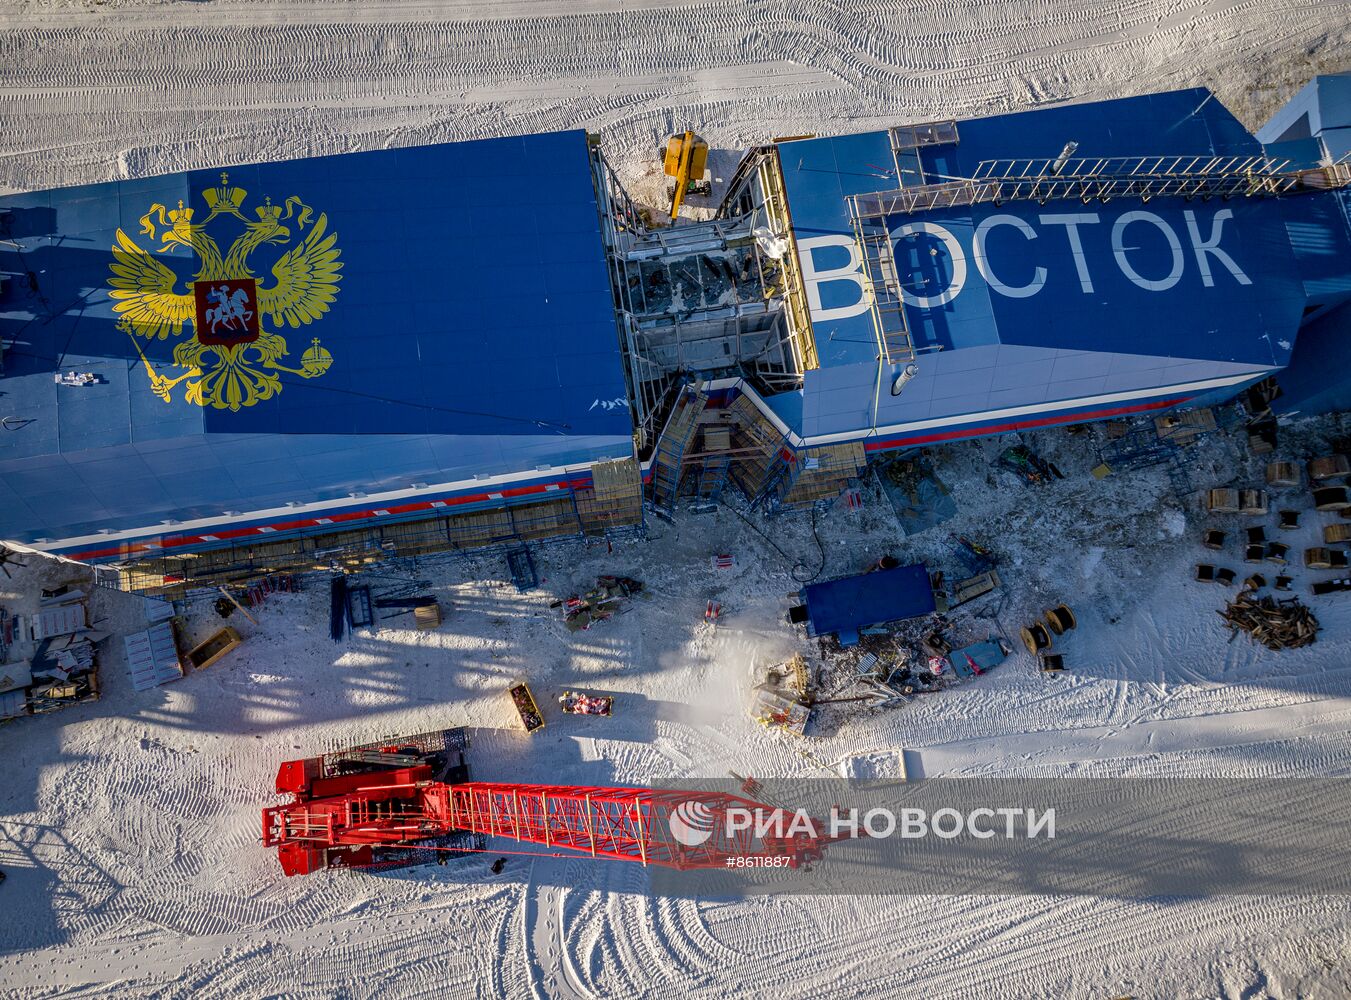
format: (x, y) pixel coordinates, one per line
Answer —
(95, 90)
(129, 827)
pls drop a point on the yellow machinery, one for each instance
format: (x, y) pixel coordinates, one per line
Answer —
(686, 159)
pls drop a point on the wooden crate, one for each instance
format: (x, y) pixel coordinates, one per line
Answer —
(206, 653)
(428, 616)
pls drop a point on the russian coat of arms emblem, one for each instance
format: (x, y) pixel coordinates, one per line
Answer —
(234, 356)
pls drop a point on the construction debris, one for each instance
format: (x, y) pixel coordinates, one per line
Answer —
(526, 707)
(1028, 465)
(235, 601)
(919, 497)
(577, 703)
(776, 709)
(62, 668)
(584, 610)
(1184, 428)
(1285, 624)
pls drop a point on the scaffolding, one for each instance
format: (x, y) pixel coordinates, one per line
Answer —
(615, 499)
(610, 506)
(825, 472)
(699, 299)
(759, 448)
(668, 462)
(770, 174)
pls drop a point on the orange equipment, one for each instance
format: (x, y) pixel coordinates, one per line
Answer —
(686, 159)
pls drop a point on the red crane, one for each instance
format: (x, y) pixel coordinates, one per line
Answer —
(379, 805)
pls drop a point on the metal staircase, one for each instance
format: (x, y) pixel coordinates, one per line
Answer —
(881, 282)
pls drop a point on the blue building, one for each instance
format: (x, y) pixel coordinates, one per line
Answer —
(290, 348)
(1046, 267)
(1313, 128)
(216, 372)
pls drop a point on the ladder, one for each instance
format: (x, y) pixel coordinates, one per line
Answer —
(883, 290)
(713, 476)
(780, 483)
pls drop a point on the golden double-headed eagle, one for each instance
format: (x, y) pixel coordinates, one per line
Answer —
(150, 304)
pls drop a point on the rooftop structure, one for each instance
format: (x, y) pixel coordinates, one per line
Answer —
(487, 340)
(1313, 128)
(212, 355)
(1039, 268)
(841, 607)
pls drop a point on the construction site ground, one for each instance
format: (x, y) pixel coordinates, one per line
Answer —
(129, 827)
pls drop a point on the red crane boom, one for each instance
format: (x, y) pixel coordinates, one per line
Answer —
(366, 806)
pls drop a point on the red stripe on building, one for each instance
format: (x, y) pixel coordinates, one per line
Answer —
(1019, 425)
(328, 519)
(347, 517)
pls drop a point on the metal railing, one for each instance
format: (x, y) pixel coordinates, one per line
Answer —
(1101, 179)
(923, 134)
(800, 332)
(882, 288)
